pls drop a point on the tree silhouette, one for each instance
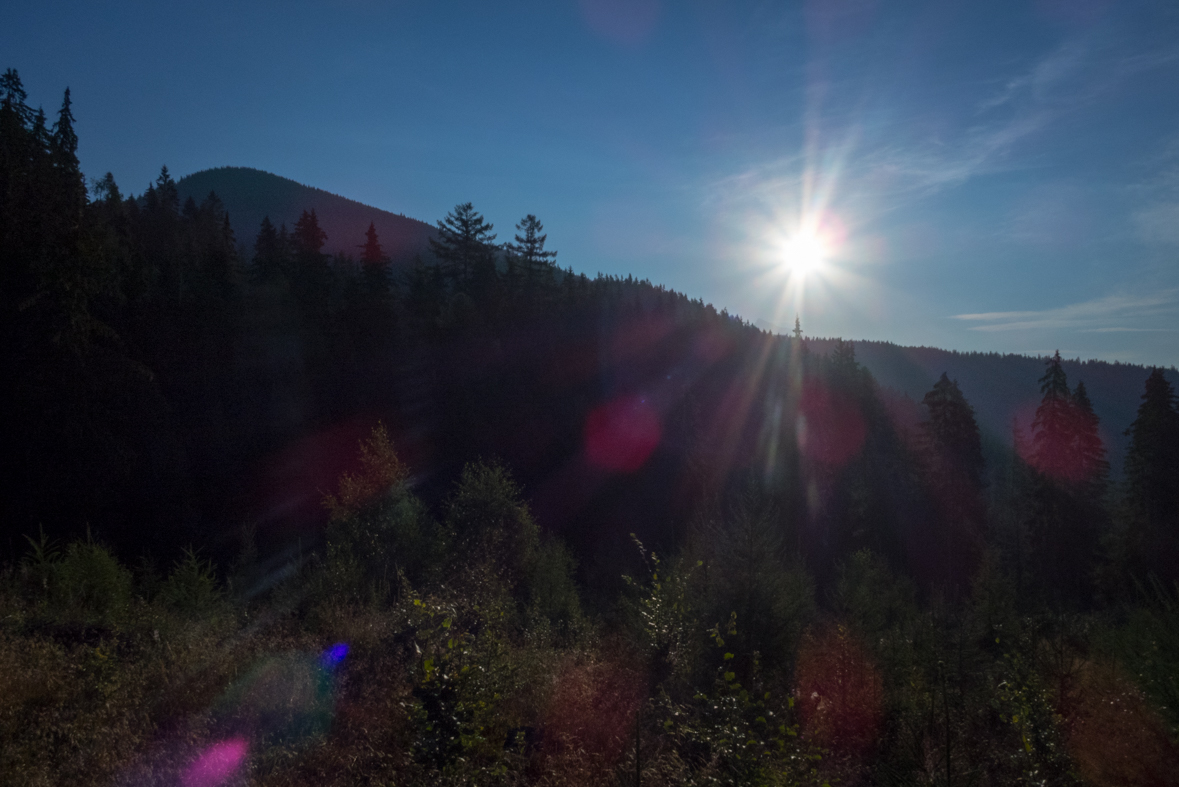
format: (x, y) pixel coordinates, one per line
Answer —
(312, 276)
(374, 262)
(268, 262)
(463, 246)
(953, 433)
(954, 466)
(1092, 469)
(536, 264)
(1066, 507)
(1152, 479)
(1054, 424)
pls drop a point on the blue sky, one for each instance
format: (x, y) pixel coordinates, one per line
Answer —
(983, 176)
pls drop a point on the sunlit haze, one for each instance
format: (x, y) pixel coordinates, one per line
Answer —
(1001, 176)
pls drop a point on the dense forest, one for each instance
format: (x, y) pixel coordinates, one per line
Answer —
(285, 517)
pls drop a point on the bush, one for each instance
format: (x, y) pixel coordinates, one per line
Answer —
(379, 531)
(90, 584)
(552, 592)
(751, 572)
(191, 588)
(489, 519)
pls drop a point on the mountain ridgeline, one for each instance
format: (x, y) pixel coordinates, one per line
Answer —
(249, 195)
(1003, 388)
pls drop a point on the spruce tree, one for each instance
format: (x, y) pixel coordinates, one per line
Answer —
(309, 238)
(267, 261)
(463, 246)
(1054, 424)
(535, 264)
(375, 263)
(312, 276)
(1066, 511)
(1152, 480)
(953, 469)
(953, 433)
(1092, 469)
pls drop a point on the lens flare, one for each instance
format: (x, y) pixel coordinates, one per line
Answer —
(217, 765)
(621, 434)
(331, 657)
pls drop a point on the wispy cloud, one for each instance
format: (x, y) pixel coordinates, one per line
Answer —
(930, 168)
(1111, 314)
(1071, 76)
(1156, 221)
(1044, 76)
(1159, 223)
(887, 170)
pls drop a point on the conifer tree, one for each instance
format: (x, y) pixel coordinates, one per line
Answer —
(309, 238)
(954, 462)
(1066, 512)
(374, 262)
(267, 261)
(13, 98)
(1054, 424)
(536, 264)
(312, 276)
(71, 187)
(953, 432)
(1152, 479)
(1092, 469)
(463, 245)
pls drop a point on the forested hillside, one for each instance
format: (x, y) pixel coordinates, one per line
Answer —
(301, 518)
(1003, 388)
(250, 195)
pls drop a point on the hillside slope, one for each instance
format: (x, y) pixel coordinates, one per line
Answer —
(1002, 388)
(1006, 387)
(250, 194)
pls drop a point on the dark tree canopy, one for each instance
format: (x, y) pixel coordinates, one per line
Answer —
(1092, 469)
(463, 247)
(529, 253)
(308, 237)
(1054, 424)
(268, 262)
(1152, 480)
(953, 433)
(374, 262)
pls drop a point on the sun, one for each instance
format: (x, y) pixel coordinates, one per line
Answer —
(805, 252)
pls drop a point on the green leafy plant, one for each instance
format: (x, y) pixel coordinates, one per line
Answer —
(192, 587)
(90, 583)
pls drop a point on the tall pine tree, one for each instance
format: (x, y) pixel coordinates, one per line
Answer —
(528, 252)
(463, 246)
(1152, 480)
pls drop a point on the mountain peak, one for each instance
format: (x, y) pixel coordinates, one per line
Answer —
(250, 194)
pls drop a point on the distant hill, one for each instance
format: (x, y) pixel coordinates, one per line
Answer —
(1001, 388)
(250, 194)
(1006, 387)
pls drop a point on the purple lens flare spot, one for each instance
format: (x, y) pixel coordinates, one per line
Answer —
(332, 657)
(219, 762)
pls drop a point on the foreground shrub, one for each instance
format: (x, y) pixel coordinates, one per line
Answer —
(1114, 735)
(840, 693)
(85, 584)
(191, 588)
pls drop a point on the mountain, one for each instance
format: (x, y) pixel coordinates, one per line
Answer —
(1003, 388)
(250, 194)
